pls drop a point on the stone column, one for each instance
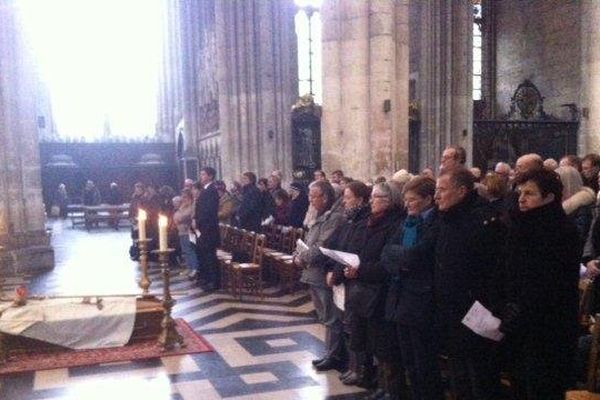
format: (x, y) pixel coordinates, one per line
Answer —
(589, 137)
(365, 86)
(171, 87)
(257, 77)
(22, 219)
(445, 78)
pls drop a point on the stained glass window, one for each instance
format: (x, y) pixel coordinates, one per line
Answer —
(477, 52)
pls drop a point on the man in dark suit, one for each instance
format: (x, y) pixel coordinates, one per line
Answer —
(207, 223)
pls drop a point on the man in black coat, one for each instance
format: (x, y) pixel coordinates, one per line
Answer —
(206, 221)
(250, 211)
(298, 205)
(469, 259)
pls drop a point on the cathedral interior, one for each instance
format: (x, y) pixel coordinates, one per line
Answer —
(153, 91)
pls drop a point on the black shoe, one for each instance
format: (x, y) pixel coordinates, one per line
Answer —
(317, 361)
(328, 364)
(379, 394)
(345, 374)
(353, 378)
(209, 287)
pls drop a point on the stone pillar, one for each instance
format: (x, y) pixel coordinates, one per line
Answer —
(22, 219)
(589, 136)
(445, 78)
(171, 86)
(365, 86)
(257, 79)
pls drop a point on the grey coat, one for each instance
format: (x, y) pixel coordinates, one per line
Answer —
(323, 228)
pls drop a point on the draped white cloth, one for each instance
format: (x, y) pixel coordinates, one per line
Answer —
(70, 323)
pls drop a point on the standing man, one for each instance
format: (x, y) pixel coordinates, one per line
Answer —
(321, 197)
(336, 176)
(251, 207)
(590, 166)
(319, 175)
(453, 157)
(207, 222)
(469, 259)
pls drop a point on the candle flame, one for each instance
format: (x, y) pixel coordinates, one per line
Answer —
(142, 214)
(163, 221)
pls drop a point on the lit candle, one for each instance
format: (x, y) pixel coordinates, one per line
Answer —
(162, 232)
(142, 224)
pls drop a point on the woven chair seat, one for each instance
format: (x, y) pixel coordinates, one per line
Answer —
(246, 266)
(582, 395)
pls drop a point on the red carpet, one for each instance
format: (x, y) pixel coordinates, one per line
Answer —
(76, 358)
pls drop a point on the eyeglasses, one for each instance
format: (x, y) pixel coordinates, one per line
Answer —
(380, 196)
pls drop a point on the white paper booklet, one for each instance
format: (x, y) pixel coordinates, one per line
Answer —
(349, 259)
(481, 321)
(339, 296)
(301, 246)
(267, 221)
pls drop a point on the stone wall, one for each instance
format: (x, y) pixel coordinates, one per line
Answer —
(538, 40)
(22, 232)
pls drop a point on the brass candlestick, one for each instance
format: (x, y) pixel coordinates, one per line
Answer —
(169, 337)
(145, 281)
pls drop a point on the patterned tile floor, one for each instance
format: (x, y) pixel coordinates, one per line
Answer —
(263, 348)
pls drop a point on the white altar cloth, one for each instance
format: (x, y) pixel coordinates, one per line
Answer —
(70, 323)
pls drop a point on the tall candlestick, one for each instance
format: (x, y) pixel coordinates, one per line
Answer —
(162, 232)
(142, 216)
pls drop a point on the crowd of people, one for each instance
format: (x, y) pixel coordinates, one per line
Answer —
(515, 240)
(430, 248)
(90, 196)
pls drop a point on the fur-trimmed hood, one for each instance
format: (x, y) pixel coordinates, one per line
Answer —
(585, 197)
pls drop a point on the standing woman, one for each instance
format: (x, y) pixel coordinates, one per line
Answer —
(367, 289)
(183, 219)
(540, 315)
(410, 298)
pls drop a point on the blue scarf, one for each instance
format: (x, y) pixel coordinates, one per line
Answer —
(411, 228)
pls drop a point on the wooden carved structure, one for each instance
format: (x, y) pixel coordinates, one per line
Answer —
(124, 163)
(306, 138)
(525, 129)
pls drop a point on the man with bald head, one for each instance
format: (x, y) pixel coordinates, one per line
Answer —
(525, 164)
(453, 157)
(528, 163)
(550, 164)
(503, 170)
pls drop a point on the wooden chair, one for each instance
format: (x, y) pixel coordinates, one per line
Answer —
(593, 375)
(225, 253)
(289, 274)
(242, 246)
(586, 294)
(582, 395)
(272, 248)
(248, 276)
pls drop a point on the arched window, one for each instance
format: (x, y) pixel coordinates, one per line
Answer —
(477, 49)
(308, 31)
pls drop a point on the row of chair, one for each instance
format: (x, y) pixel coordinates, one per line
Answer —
(240, 258)
(278, 255)
(246, 257)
